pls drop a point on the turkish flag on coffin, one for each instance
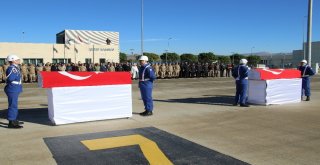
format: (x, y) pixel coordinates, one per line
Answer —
(72, 79)
(269, 74)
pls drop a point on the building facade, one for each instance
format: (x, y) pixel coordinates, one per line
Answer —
(77, 45)
(299, 55)
(277, 60)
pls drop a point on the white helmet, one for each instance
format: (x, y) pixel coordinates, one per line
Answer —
(143, 58)
(304, 61)
(12, 57)
(243, 61)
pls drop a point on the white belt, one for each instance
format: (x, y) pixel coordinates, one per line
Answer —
(16, 82)
(238, 78)
(146, 79)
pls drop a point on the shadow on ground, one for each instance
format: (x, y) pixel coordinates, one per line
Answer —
(207, 99)
(34, 115)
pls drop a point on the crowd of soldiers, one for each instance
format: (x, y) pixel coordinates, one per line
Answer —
(29, 72)
(192, 70)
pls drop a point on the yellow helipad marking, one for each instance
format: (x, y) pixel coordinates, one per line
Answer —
(149, 148)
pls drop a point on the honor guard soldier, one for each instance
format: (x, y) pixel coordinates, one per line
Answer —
(306, 72)
(12, 89)
(240, 73)
(146, 78)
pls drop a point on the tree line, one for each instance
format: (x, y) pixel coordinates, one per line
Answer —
(208, 57)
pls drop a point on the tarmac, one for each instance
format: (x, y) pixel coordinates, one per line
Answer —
(198, 110)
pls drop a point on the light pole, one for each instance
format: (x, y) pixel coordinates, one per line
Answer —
(309, 40)
(132, 51)
(251, 49)
(141, 27)
(168, 49)
(166, 55)
(132, 54)
(233, 53)
(303, 47)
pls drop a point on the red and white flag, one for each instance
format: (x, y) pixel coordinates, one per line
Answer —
(269, 74)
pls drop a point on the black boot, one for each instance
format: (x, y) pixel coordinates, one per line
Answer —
(244, 105)
(142, 113)
(147, 113)
(14, 125)
(308, 98)
(20, 122)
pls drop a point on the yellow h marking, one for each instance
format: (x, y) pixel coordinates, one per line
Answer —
(149, 148)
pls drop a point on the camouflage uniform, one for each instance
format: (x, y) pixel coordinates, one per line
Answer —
(24, 72)
(32, 73)
(5, 67)
(82, 67)
(170, 71)
(62, 67)
(163, 71)
(47, 67)
(156, 70)
(1, 73)
(39, 69)
(177, 70)
(112, 68)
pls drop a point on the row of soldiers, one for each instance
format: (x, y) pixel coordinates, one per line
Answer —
(29, 72)
(191, 70)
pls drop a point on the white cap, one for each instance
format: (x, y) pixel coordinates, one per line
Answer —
(304, 61)
(143, 58)
(243, 61)
(12, 57)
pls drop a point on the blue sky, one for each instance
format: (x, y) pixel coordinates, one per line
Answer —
(219, 26)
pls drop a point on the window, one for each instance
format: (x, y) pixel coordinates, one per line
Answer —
(102, 60)
(61, 60)
(2, 61)
(34, 61)
(88, 60)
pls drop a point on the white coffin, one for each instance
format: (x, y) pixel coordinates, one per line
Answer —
(87, 96)
(276, 91)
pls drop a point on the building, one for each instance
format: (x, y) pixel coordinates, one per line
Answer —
(71, 46)
(299, 55)
(277, 60)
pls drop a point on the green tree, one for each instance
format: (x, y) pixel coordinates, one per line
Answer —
(188, 58)
(151, 56)
(224, 59)
(253, 60)
(235, 58)
(206, 57)
(123, 57)
(172, 57)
